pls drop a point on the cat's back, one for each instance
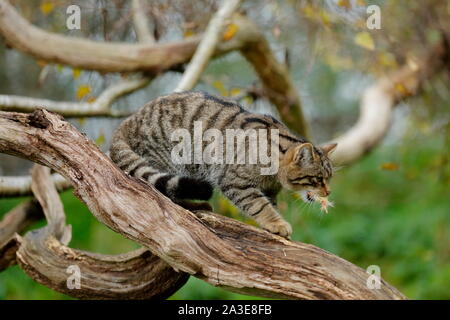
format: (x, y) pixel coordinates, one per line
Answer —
(182, 110)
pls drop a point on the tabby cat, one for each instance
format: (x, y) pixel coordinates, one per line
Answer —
(142, 147)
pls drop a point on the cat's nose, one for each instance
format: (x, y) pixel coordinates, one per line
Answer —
(326, 192)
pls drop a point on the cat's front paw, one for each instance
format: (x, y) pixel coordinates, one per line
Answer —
(280, 227)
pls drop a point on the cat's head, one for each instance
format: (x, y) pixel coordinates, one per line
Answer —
(307, 170)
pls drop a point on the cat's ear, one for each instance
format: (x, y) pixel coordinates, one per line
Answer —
(328, 148)
(304, 153)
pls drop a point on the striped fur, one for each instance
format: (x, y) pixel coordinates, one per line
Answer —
(142, 147)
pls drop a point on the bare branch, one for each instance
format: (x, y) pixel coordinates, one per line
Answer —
(141, 22)
(378, 102)
(100, 107)
(207, 46)
(14, 186)
(222, 251)
(18, 219)
(43, 255)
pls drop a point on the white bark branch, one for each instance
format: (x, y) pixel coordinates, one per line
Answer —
(15, 186)
(141, 22)
(378, 102)
(207, 46)
(100, 107)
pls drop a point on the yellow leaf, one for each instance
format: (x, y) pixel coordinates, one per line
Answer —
(230, 31)
(235, 91)
(81, 121)
(387, 59)
(41, 63)
(83, 91)
(188, 33)
(76, 73)
(400, 88)
(46, 7)
(100, 140)
(217, 84)
(344, 4)
(365, 40)
(389, 166)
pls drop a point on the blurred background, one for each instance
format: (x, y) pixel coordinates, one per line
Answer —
(392, 206)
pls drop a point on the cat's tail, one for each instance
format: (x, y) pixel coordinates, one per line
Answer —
(174, 186)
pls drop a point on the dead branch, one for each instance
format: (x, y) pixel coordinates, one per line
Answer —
(44, 256)
(15, 186)
(101, 107)
(221, 251)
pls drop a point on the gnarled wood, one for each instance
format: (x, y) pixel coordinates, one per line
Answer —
(43, 254)
(219, 250)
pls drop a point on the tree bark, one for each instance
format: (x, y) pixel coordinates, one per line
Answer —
(219, 250)
(43, 254)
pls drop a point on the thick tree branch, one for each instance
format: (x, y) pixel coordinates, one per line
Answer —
(44, 256)
(219, 250)
(379, 100)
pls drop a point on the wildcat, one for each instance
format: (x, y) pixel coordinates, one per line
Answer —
(142, 147)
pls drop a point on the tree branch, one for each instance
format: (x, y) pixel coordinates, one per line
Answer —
(207, 46)
(44, 256)
(15, 186)
(141, 23)
(156, 58)
(222, 251)
(101, 107)
(379, 100)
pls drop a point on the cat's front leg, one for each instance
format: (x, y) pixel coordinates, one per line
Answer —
(272, 221)
(259, 207)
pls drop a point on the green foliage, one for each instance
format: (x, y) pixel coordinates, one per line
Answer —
(397, 219)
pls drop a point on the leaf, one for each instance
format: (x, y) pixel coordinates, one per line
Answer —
(100, 140)
(217, 84)
(82, 91)
(365, 40)
(91, 99)
(390, 166)
(344, 4)
(188, 33)
(41, 63)
(387, 59)
(361, 3)
(76, 73)
(230, 31)
(400, 88)
(235, 91)
(46, 7)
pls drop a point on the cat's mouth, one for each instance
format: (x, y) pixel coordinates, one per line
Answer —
(311, 197)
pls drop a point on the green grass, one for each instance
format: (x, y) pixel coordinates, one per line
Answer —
(396, 219)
